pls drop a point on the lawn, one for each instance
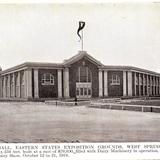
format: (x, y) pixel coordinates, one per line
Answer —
(38, 122)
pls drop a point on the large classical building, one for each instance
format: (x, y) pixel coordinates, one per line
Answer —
(81, 76)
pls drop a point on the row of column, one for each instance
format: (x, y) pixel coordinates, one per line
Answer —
(140, 84)
(22, 82)
(146, 84)
(100, 75)
(127, 83)
(19, 84)
(65, 82)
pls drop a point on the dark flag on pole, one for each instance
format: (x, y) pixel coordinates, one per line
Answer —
(81, 26)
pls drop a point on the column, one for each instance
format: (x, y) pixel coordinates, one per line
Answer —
(18, 85)
(105, 83)
(124, 84)
(1, 88)
(129, 83)
(151, 85)
(144, 83)
(139, 84)
(156, 85)
(28, 83)
(14, 86)
(135, 84)
(100, 83)
(36, 84)
(9, 86)
(66, 83)
(4, 86)
(59, 83)
(147, 83)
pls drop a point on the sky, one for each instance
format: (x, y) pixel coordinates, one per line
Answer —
(115, 33)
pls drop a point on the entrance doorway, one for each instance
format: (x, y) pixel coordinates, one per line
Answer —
(84, 82)
(83, 90)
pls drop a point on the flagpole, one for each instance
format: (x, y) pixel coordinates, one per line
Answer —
(82, 39)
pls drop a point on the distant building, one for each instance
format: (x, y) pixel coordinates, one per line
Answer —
(81, 76)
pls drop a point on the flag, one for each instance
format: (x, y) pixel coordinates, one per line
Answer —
(81, 26)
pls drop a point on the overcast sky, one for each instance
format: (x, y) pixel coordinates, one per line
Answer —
(115, 34)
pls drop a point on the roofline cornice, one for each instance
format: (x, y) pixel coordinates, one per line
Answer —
(131, 68)
(26, 65)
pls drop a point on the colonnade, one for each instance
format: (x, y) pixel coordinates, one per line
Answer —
(146, 84)
(134, 84)
(21, 84)
(25, 84)
(140, 84)
(17, 84)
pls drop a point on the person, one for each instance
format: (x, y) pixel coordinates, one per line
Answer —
(75, 101)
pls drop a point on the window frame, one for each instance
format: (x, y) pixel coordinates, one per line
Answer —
(45, 81)
(115, 79)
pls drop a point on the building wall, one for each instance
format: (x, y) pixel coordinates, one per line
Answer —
(48, 91)
(73, 73)
(23, 83)
(115, 90)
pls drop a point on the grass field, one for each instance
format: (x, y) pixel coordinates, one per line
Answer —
(38, 122)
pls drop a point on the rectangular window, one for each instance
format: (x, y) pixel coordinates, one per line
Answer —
(89, 91)
(81, 89)
(85, 91)
(115, 80)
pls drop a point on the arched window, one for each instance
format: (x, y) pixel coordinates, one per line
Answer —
(47, 79)
(115, 80)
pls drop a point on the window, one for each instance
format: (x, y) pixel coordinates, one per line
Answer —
(84, 74)
(85, 91)
(81, 89)
(47, 79)
(115, 80)
(89, 91)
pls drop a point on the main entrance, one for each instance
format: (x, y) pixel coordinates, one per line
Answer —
(83, 90)
(84, 82)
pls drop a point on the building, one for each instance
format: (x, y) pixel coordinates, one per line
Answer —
(81, 76)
